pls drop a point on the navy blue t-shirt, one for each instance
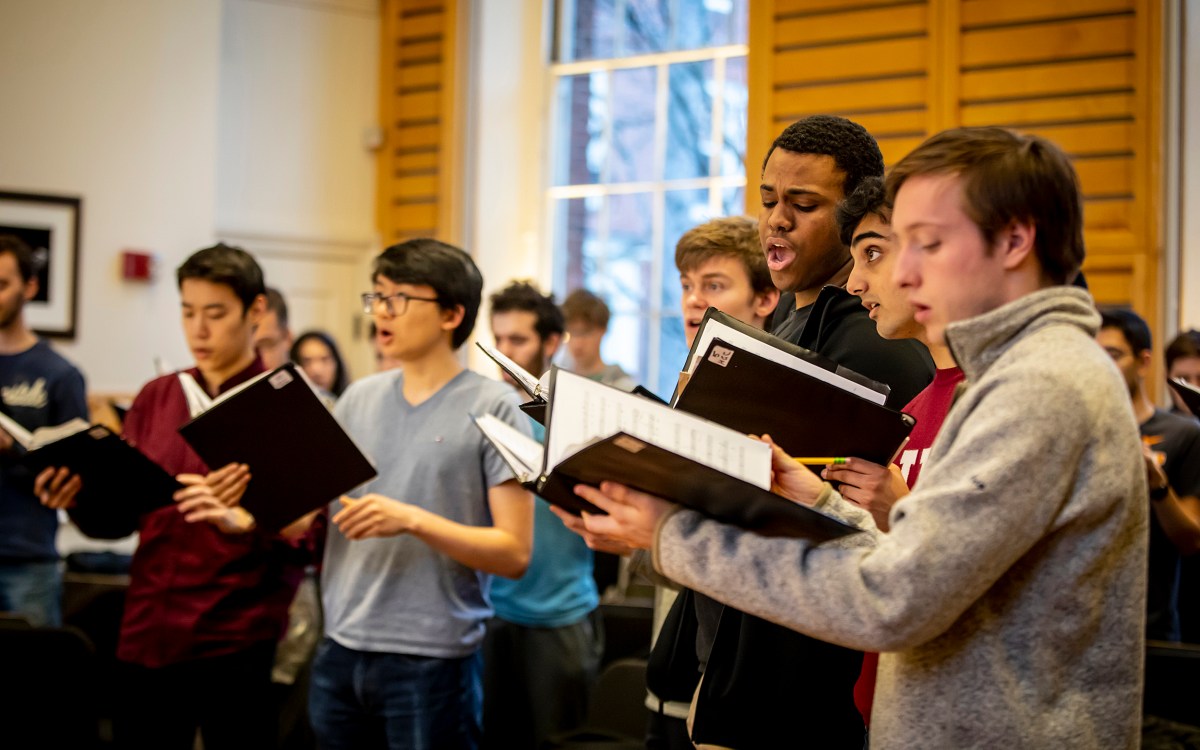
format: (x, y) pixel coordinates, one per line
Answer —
(1178, 440)
(38, 388)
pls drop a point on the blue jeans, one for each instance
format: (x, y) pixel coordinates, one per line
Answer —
(363, 700)
(32, 590)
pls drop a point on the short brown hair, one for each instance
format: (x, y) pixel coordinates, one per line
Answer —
(1186, 344)
(586, 307)
(1007, 177)
(725, 237)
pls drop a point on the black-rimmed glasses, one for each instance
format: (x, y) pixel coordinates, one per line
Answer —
(395, 304)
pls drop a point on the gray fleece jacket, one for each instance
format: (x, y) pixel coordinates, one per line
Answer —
(1009, 596)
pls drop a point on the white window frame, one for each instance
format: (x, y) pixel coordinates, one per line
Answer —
(716, 185)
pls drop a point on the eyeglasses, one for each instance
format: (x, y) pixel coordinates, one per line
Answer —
(395, 304)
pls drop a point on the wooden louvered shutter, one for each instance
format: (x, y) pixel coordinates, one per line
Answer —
(419, 166)
(1085, 73)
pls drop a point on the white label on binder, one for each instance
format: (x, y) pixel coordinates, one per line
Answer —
(720, 356)
(629, 444)
(280, 379)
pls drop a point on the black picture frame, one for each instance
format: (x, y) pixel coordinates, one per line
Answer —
(51, 225)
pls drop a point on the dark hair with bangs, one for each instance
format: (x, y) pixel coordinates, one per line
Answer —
(341, 376)
(1186, 344)
(853, 149)
(1008, 177)
(1131, 325)
(448, 270)
(228, 265)
(869, 198)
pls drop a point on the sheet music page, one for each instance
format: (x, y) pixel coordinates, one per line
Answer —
(522, 453)
(19, 434)
(46, 435)
(714, 329)
(583, 410)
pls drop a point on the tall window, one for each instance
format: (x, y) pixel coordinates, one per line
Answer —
(649, 135)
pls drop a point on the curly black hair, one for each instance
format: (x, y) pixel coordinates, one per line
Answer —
(523, 296)
(853, 149)
(870, 197)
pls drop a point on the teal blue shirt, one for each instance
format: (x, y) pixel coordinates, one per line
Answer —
(558, 588)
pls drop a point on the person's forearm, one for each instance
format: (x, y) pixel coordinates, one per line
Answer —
(1179, 526)
(484, 548)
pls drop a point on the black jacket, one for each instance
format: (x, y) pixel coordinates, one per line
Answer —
(766, 686)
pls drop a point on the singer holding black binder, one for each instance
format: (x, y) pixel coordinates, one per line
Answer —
(1008, 596)
(204, 608)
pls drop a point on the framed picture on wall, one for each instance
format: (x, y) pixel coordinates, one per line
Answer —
(50, 224)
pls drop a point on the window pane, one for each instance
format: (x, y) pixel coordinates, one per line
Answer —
(647, 26)
(628, 344)
(626, 285)
(733, 202)
(684, 210)
(628, 259)
(733, 147)
(577, 252)
(711, 23)
(586, 29)
(582, 110)
(633, 94)
(689, 120)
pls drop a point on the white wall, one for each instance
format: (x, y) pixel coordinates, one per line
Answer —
(295, 182)
(116, 102)
(507, 149)
(1189, 281)
(181, 121)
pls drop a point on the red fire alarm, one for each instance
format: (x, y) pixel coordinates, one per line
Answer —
(137, 265)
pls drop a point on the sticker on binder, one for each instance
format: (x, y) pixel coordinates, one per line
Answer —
(720, 356)
(629, 444)
(280, 379)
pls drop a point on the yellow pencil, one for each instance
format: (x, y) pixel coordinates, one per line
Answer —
(820, 460)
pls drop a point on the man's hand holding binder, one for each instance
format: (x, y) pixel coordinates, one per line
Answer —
(633, 517)
(199, 502)
(56, 487)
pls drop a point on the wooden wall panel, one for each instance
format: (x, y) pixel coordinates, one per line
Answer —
(419, 163)
(1086, 74)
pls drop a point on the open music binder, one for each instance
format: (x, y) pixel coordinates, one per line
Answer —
(807, 412)
(538, 390)
(602, 433)
(717, 324)
(1188, 393)
(110, 468)
(300, 458)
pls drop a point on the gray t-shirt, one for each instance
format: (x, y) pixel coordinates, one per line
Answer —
(397, 594)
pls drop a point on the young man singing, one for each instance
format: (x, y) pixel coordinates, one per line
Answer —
(410, 555)
(205, 608)
(542, 650)
(1008, 596)
(749, 695)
